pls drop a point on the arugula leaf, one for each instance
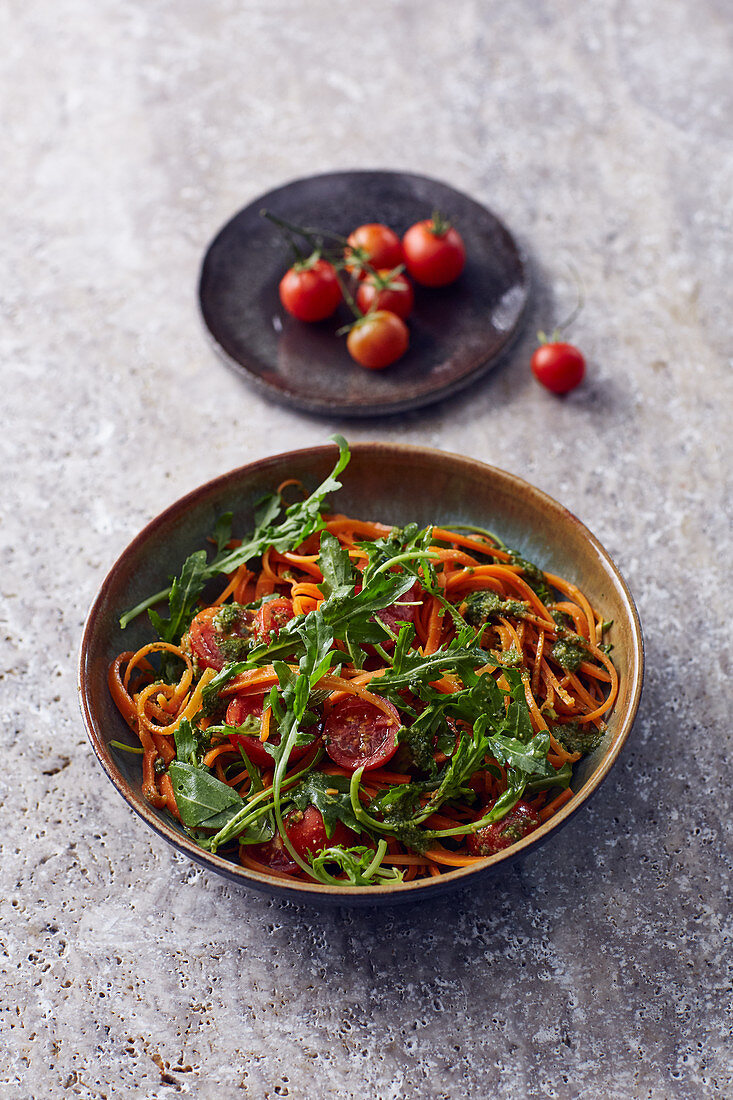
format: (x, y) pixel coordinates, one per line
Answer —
(186, 744)
(335, 563)
(361, 865)
(184, 593)
(300, 521)
(330, 795)
(201, 797)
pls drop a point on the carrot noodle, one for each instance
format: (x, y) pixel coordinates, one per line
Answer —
(560, 701)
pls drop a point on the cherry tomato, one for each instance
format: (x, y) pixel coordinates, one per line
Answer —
(205, 638)
(245, 706)
(274, 854)
(559, 367)
(502, 834)
(310, 290)
(404, 610)
(271, 617)
(386, 290)
(307, 832)
(378, 339)
(358, 733)
(434, 252)
(374, 244)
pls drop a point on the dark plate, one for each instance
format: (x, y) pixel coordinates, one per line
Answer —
(457, 333)
(395, 484)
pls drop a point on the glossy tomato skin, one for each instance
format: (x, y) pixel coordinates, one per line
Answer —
(274, 854)
(358, 734)
(310, 291)
(205, 640)
(378, 339)
(502, 834)
(558, 367)
(271, 617)
(376, 244)
(307, 832)
(398, 297)
(433, 258)
(404, 610)
(240, 708)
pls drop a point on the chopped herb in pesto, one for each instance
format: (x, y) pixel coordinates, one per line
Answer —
(484, 606)
(570, 652)
(574, 738)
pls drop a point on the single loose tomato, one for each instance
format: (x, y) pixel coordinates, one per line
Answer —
(375, 245)
(244, 707)
(388, 290)
(310, 289)
(559, 367)
(207, 639)
(434, 252)
(271, 617)
(307, 832)
(359, 734)
(402, 610)
(502, 834)
(378, 339)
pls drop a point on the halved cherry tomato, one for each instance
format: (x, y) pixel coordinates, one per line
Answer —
(502, 834)
(358, 734)
(434, 252)
(310, 290)
(559, 367)
(374, 244)
(378, 339)
(205, 638)
(386, 290)
(245, 706)
(271, 617)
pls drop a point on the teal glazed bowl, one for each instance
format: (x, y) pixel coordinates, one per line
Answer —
(395, 484)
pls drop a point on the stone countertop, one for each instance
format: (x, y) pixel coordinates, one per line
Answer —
(602, 134)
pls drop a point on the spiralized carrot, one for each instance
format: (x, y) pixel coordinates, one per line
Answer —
(462, 565)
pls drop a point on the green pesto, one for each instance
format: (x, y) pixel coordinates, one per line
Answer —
(486, 605)
(575, 738)
(569, 652)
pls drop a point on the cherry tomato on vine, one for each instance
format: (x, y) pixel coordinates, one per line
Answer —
(374, 244)
(502, 834)
(310, 290)
(559, 367)
(378, 339)
(385, 289)
(358, 734)
(434, 252)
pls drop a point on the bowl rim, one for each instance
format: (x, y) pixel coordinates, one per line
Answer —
(297, 890)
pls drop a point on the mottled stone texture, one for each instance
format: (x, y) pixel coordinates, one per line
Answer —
(602, 133)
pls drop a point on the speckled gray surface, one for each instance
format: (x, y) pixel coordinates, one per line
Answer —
(602, 134)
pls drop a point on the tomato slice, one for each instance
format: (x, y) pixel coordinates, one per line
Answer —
(205, 639)
(502, 834)
(271, 617)
(240, 708)
(358, 734)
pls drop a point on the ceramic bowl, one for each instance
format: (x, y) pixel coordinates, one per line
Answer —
(395, 484)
